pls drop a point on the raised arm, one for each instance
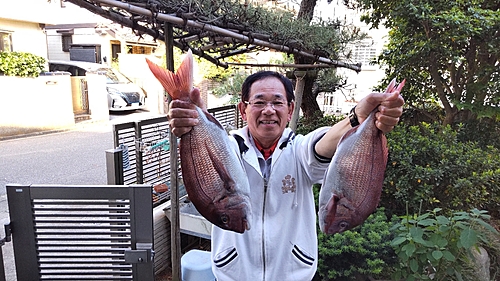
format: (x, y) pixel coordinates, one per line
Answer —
(389, 105)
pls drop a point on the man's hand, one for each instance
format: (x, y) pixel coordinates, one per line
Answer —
(389, 105)
(182, 115)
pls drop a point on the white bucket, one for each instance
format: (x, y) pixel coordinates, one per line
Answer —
(196, 265)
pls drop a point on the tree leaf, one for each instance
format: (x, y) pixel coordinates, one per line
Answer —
(410, 249)
(468, 238)
(448, 255)
(414, 265)
(398, 240)
(437, 254)
(427, 222)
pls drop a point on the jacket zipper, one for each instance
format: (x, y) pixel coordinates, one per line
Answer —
(263, 233)
(266, 181)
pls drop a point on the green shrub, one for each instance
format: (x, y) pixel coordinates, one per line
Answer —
(304, 127)
(21, 64)
(437, 247)
(428, 165)
(484, 131)
(363, 251)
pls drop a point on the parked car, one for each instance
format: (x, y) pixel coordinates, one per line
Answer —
(123, 94)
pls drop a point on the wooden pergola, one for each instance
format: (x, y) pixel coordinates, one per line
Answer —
(213, 39)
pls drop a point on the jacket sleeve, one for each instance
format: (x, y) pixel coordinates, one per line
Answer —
(313, 165)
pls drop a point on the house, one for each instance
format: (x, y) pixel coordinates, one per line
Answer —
(58, 30)
(358, 84)
(31, 105)
(95, 42)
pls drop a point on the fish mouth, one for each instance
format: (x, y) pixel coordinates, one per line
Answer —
(246, 225)
(244, 220)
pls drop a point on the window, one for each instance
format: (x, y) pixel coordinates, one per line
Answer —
(364, 53)
(5, 41)
(66, 42)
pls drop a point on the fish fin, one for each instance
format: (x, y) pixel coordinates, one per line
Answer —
(331, 209)
(385, 149)
(212, 119)
(347, 204)
(177, 85)
(222, 172)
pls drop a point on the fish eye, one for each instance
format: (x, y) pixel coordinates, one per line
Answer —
(344, 224)
(224, 219)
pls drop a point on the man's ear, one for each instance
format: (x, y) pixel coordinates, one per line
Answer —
(242, 107)
(290, 110)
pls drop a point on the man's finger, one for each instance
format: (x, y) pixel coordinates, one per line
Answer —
(195, 98)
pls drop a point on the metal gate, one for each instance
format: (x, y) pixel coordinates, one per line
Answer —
(82, 232)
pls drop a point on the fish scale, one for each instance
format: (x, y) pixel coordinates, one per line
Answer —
(195, 146)
(206, 163)
(353, 182)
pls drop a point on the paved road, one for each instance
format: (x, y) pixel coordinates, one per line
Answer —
(71, 157)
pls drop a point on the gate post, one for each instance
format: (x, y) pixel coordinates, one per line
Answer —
(114, 166)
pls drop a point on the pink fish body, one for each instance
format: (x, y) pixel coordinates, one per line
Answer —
(214, 178)
(353, 182)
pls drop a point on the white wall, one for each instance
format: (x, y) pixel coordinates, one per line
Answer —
(35, 104)
(80, 36)
(54, 43)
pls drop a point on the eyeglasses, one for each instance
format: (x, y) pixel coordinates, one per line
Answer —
(261, 104)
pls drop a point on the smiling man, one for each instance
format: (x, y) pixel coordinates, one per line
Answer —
(281, 168)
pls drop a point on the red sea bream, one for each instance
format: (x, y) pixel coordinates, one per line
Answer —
(353, 182)
(214, 178)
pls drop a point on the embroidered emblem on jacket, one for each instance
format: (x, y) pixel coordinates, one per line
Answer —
(288, 184)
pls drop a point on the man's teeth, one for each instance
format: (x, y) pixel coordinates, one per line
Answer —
(267, 122)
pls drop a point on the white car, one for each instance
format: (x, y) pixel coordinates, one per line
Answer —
(122, 93)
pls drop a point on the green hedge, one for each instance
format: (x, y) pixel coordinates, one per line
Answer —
(21, 64)
(430, 167)
(358, 253)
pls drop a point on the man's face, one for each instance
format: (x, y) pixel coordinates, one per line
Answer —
(267, 111)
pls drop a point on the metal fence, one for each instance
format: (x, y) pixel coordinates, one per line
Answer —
(142, 153)
(145, 154)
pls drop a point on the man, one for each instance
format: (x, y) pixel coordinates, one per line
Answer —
(281, 169)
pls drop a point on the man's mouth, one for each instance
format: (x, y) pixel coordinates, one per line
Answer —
(268, 122)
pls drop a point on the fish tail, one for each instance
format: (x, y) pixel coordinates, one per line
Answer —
(178, 85)
(391, 85)
(401, 85)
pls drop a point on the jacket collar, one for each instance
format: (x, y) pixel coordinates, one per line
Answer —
(243, 138)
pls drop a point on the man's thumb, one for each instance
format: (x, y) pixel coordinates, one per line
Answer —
(195, 98)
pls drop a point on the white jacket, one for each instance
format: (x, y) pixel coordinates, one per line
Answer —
(282, 242)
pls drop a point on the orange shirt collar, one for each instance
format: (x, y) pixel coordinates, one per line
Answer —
(267, 152)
